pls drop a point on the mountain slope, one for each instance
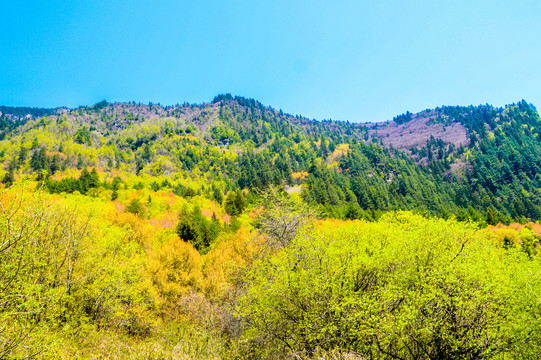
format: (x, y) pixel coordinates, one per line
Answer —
(479, 163)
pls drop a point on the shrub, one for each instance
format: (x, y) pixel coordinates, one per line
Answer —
(403, 288)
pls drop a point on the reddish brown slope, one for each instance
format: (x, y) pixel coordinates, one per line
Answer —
(417, 132)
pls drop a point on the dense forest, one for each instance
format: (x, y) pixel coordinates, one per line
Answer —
(233, 230)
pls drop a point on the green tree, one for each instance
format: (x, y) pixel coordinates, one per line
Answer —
(195, 228)
(23, 154)
(234, 203)
(217, 195)
(116, 183)
(230, 205)
(135, 207)
(93, 179)
(240, 201)
(8, 179)
(35, 144)
(39, 160)
(214, 227)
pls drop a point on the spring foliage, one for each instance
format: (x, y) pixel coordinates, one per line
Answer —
(402, 288)
(134, 231)
(79, 270)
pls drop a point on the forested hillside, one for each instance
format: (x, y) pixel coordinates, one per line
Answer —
(233, 230)
(479, 163)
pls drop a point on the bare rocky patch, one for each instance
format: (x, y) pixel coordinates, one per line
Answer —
(418, 131)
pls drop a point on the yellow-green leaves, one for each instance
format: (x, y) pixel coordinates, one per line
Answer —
(404, 287)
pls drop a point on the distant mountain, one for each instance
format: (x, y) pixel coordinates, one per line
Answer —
(476, 162)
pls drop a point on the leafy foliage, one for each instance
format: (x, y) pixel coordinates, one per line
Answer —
(404, 287)
(236, 143)
(190, 231)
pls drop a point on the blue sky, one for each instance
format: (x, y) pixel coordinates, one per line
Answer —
(345, 60)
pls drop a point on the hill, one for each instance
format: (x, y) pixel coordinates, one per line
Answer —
(476, 162)
(230, 230)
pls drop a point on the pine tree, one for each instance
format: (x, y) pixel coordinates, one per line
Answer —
(8, 179)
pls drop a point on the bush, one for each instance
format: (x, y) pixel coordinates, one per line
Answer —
(403, 288)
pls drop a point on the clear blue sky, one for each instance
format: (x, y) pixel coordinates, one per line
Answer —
(346, 60)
